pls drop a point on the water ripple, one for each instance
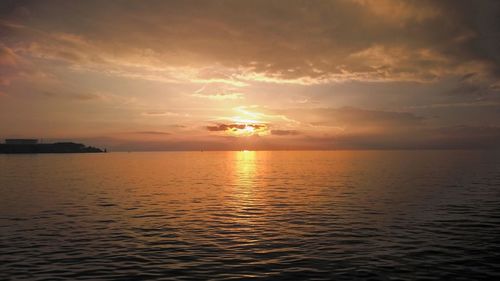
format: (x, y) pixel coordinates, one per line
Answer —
(243, 215)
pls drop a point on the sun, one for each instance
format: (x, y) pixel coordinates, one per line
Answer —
(247, 130)
(245, 124)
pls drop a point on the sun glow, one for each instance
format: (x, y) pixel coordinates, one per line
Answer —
(238, 119)
(246, 130)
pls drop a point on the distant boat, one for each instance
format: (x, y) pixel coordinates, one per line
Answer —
(27, 146)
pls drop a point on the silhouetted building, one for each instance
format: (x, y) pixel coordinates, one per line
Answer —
(21, 141)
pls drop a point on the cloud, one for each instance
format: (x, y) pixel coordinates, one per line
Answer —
(284, 132)
(259, 41)
(7, 56)
(240, 130)
(5, 81)
(73, 96)
(465, 136)
(350, 116)
(221, 96)
(454, 137)
(226, 127)
(355, 118)
(154, 113)
(9, 64)
(154, 133)
(218, 91)
(361, 126)
(400, 11)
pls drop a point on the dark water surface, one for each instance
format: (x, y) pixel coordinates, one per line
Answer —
(251, 215)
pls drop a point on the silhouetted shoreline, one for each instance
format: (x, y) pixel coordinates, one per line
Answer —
(60, 147)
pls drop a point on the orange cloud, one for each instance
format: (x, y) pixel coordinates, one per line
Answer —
(7, 56)
(284, 132)
(221, 96)
(240, 129)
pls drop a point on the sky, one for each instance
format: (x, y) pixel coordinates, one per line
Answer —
(254, 75)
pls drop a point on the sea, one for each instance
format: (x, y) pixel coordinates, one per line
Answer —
(247, 215)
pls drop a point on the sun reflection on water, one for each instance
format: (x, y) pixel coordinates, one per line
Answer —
(245, 170)
(246, 200)
(245, 165)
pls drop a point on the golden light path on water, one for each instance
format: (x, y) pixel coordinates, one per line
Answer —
(245, 200)
(245, 167)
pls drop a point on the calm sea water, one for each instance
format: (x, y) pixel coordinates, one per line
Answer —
(251, 215)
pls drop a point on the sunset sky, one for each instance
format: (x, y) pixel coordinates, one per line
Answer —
(216, 75)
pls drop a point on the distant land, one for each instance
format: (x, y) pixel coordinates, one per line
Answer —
(29, 146)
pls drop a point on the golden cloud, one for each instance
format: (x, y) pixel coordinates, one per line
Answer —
(238, 130)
